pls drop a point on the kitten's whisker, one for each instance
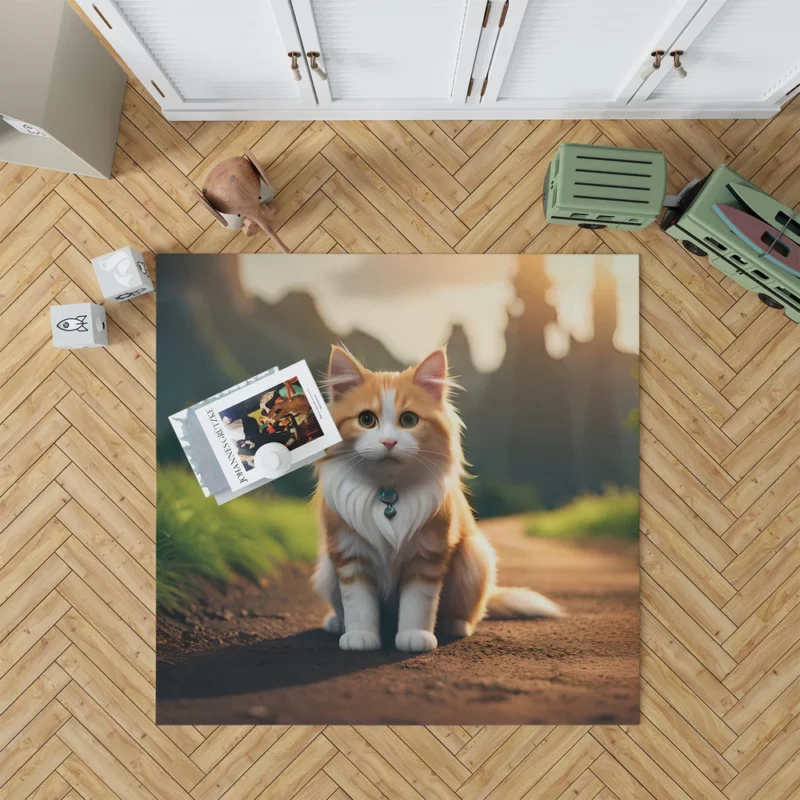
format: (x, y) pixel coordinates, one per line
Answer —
(438, 453)
(424, 461)
(439, 462)
(351, 463)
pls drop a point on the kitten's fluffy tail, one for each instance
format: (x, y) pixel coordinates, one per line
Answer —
(516, 603)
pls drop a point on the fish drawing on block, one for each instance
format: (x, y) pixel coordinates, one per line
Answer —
(763, 238)
(77, 324)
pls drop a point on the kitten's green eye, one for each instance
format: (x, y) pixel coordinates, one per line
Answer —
(367, 419)
(408, 419)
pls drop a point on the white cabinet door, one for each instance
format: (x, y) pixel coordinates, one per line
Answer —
(562, 54)
(745, 51)
(214, 55)
(391, 54)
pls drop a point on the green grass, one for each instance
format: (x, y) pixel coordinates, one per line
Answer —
(249, 536)
(614, 513)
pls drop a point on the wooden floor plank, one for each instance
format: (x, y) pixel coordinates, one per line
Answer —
(209, 135)
(28, 233)
(686, 629)
(419, 161)
(131, 719)
(437, 143)
(144, 189)
(501, 180)
(685, 557)
(29, 523)
(684, 737)
(106, 774)
(31, 484)
(12, 176)
(103, 727)
(159, 131)
(30, 267)
(25, 562)
(526, 779)
(144, 153)
(345, 195)
(42, 763)
(92, 571)
(236, 762)
(131, 646)
(84, 782)
(30, 630)
(287, 147)
(392, 170)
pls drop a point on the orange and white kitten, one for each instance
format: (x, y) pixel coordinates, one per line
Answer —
(398, 529)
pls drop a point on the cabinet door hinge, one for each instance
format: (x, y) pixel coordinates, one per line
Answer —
(483, 88)
(469, 88)
(503, 15)
(486, 13)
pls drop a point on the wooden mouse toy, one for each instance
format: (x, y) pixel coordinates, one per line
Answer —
(232, 188)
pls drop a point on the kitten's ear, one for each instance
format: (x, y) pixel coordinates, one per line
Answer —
(344, 373)
(431, 374)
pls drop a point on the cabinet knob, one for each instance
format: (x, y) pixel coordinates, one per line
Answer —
(294, 55)
(312, 57)
(657, 56)
(676, 60)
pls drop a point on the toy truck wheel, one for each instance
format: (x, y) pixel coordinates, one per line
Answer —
(769, 301)
(693, 248)
(592, 226)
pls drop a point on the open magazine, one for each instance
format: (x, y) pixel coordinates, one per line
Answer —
(222, 435)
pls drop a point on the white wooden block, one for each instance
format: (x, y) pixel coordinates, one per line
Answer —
(122, 274)
(78, 325)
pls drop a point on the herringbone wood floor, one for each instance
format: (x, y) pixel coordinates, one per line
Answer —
(720, 484)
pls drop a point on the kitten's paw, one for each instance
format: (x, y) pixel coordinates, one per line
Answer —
(360, 640)
(332, 624)
(415, 641)
(459, 628)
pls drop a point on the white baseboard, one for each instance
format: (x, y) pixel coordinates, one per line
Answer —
(651, 111)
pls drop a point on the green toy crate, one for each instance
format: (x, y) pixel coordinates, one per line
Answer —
(702, 232)
(597, 187)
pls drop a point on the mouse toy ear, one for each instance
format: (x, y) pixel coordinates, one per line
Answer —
(344, 373)
(214, 213)
(257, 167)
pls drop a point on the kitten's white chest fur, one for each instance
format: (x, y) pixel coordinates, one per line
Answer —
(353, 494)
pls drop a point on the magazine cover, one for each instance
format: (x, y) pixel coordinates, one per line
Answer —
(287, 409)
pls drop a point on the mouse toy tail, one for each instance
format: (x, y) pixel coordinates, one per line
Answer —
(263, 223)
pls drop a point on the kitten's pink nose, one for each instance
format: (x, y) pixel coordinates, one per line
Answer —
(388, 443)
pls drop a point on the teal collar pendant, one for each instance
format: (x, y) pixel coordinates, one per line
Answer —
(389, 497)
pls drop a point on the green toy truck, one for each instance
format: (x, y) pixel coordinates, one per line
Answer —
(597, 187)
(702, 232)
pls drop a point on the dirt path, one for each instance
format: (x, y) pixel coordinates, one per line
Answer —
(257, 655)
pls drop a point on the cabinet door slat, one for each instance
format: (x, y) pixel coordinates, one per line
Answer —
(747, 50)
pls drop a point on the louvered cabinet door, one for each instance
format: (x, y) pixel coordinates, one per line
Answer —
(379, 55)
(557, 54)
(208, 55)
(746, 51)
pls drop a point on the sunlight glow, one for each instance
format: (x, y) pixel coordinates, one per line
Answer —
(412, 303)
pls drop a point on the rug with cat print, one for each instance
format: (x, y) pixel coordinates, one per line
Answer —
(467, 554)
